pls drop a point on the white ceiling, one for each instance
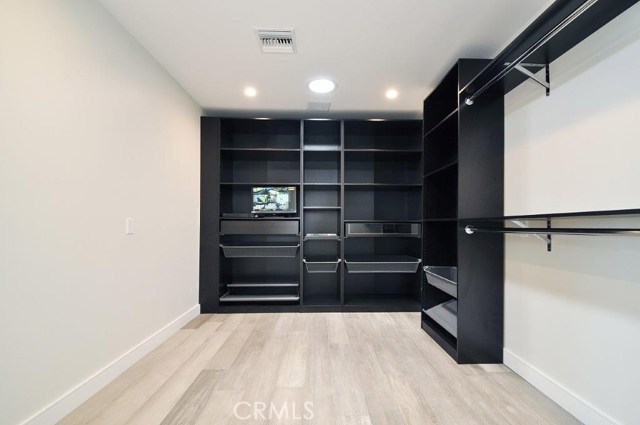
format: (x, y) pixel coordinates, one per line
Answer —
(366, 46)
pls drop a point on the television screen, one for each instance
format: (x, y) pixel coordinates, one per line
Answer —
(274, 200)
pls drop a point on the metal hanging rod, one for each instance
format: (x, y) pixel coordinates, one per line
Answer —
(557, 231)
(535, 46)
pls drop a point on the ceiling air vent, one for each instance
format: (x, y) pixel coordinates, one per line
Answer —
(276, 40)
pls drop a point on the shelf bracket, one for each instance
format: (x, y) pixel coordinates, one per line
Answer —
(522, 68)
(546, 239)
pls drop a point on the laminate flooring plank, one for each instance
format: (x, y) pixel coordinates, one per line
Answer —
(162, 401)
(188, 409)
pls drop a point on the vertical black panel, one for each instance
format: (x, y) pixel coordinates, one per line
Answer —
(481, 158)
(480, 296)
(209, 213)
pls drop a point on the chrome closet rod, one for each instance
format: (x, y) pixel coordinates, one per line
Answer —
(548, 36)
(557, 231)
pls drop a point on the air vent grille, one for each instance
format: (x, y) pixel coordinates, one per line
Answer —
(276, 40)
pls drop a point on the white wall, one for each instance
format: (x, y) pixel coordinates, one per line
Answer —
(572, 316)
(92, 130)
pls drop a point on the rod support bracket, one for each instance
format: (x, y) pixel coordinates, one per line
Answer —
(546, 239)
(522, 68)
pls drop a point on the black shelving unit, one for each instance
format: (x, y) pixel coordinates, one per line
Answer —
(463, 180)
(382, 184)
(345, 172)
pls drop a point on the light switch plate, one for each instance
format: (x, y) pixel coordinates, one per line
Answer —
(129, 229)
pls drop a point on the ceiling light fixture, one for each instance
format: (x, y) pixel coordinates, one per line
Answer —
(322, 85)
(376, 119)
(250, 92)
(392, 93)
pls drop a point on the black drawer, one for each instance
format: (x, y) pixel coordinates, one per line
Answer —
(259, 227)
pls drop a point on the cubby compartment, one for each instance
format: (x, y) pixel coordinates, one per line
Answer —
(441, 146)
(322, 289)
(442, 101)
(321, 135)
(322, 221)
(383, 135)
(237, 199)
(322, 167)
(445, 315)
(264, 167)
(440, 242)
(382, 167)
(385, 203)
(321, 197)
(384, 291)
(442, 199)
(259, 134)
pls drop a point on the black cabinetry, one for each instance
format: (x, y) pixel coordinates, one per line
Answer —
(346, 172)
(463, 180)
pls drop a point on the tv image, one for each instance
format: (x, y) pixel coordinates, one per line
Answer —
(274, 200)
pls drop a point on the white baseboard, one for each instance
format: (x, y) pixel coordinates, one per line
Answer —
(572, 403)
(66, 403)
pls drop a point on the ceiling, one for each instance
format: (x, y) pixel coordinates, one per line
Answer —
(365, 46)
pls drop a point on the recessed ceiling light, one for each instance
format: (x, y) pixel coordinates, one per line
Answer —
(377, 119)
(322, 85)
(392, 93)
(250, 92)
(319, 119)
(263, 119)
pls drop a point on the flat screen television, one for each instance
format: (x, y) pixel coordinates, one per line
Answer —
(268, 200)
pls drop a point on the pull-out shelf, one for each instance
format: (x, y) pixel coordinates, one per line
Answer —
(443, 278)
(259, 227)
(258, 298)
(382, 264)
(446, 315)
(243, 285)
(244, 251)
(321, 237)
(322, 265)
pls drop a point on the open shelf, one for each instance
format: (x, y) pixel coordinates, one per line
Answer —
(442, 190)
(442, 101)
(384, 168)
(321, 136)
(322, 167)
(445, 315)
(321, 208)
(382, 202)
(266, 134)
(247, 166)
(263, 285)
(228, 297)
(394, 135)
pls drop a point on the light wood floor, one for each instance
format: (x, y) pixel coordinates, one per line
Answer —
(356, 369)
